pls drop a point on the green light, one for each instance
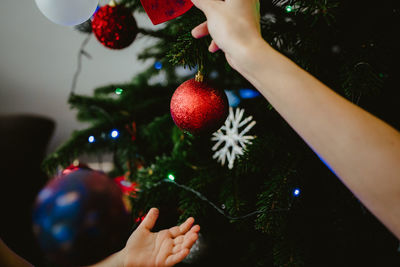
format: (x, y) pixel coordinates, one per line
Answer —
(119, 91)
(289, 8)
(171, 177)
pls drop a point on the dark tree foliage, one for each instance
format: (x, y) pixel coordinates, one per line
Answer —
(349, 45)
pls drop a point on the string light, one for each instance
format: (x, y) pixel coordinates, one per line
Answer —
(114, 134)
(296, 192)
(171, 180)
(91, 139)
(289, 8)
(81, 53)
(119, 91)
(158, 65)
(248, 93)
(171, 177)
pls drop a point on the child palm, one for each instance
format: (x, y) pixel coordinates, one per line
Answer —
(164, 248)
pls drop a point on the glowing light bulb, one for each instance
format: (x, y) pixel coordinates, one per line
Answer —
(248, 93)
(158, 65)
(296, 192)
(171, 177)
(114, 134)
(119, 91)
(91, 139)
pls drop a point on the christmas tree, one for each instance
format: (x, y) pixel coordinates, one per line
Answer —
(260, 194)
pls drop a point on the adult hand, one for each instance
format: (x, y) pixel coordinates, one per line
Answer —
(234, 26)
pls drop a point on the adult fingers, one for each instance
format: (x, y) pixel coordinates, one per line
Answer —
(213, 47)
(200, 30)
(150, 219)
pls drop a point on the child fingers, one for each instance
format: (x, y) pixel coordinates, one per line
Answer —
(179, 240)
(177, 248)
(189, 240)
(184, 227)
(174, 231)
(177, 257)
(186, 241)
(195, 229)
(164, 251)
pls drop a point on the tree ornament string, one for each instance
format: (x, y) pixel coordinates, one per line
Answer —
(82, 52)
(78, 71)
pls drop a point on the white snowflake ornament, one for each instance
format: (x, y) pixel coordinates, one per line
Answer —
(235, 142)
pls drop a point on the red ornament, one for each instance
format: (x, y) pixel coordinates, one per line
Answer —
(114, 26)
(198, 108)
(160, 11)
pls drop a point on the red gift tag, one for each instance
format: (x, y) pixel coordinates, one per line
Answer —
(127, 187)
(160, 11)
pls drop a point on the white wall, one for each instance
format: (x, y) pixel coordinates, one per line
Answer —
(38, 60)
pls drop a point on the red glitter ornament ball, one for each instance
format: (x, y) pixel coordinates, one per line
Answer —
(198, 108)
(114, 26)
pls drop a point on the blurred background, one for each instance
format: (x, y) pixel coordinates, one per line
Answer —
(38, 59)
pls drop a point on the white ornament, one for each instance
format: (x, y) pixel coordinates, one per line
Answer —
(67, 12)
(234, 141)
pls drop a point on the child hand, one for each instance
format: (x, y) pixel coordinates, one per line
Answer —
(164, 248)
(234, 26)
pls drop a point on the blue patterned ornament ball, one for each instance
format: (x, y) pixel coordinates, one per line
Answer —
(80, 218)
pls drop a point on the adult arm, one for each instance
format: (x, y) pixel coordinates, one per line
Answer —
(363, 151)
